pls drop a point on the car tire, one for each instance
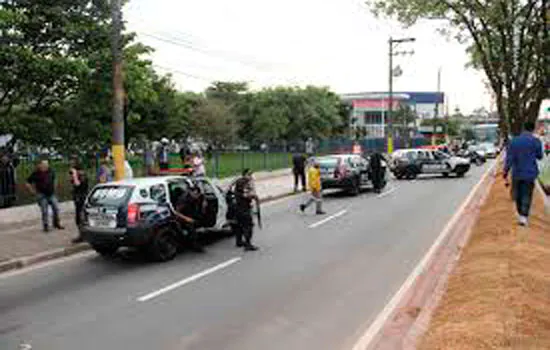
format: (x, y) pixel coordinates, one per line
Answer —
(105, 250)
(460, 174)
(164, 246)
(445, 174)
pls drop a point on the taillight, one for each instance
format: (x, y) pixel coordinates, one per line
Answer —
(133, 214)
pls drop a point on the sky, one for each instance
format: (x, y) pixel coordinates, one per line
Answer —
(334, 43)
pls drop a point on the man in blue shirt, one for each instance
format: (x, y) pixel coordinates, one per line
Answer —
(521, 158)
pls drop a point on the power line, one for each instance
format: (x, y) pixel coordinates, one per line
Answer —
(188, 45)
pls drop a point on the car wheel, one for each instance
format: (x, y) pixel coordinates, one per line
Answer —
(398, 176)
(105, 250)
(460, 174)
(165, 245)
(445, 174)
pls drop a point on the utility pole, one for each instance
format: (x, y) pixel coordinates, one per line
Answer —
(118, 88)
(436, 109)
(389, 116)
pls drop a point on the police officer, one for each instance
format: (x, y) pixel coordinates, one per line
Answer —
(190, 208)
(377, 171)
(245, 194)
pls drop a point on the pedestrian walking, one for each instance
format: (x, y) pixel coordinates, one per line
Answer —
(299, 170)
(521, 158)
(198, 164)
(79, 182)
(42, 184)
(7, 180)
(128, 171)
(163, 154)
(149, 161)
(314, 182)
(245, 195)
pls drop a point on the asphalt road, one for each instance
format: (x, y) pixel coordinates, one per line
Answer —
(313, 285)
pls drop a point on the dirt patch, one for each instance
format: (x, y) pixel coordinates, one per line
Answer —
(499, 295)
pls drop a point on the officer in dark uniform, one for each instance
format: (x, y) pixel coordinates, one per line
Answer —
(377, 171)
(245, 194)
(190, 208)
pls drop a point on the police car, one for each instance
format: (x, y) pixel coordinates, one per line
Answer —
(139, 213)
(349, 172)
(409, 163)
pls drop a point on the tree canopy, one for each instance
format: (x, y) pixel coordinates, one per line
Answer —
(508, 39)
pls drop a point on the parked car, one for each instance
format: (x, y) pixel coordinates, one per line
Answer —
(491, 151)
(139, 213)
(409, 163)
(350, 172)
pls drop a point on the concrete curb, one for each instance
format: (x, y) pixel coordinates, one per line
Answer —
(412, 313)
(26, 261)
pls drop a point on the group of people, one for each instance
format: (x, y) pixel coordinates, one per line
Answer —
(190, 208)
(42, 184)
(192, 161)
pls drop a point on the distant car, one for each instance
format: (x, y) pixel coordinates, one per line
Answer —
(409, 163)
(139, 213)
(491, 151)
(350, 172)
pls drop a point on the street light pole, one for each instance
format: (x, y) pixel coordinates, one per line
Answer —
(389, 116)
(118, 89)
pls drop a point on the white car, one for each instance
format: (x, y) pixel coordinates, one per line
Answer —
(409, 163)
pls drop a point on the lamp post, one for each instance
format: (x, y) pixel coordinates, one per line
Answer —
(393, 43)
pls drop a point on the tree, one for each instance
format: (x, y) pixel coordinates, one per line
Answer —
(214, 122)
(506, 38)
(44, 58)
(229, 92)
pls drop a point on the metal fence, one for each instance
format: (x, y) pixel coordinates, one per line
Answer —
(369, 145)
(218, 164)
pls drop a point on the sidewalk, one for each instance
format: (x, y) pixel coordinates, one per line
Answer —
(22, 241)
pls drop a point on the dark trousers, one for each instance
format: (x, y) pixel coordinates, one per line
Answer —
(78, 208)
(245, 227)
(299, 177)
(523, 195)
(377, 179)
(48, 201)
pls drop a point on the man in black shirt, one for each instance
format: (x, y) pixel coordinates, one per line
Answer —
(190, 209)
(42, 184)
(299, 170)
(79, 183)
(245, 194)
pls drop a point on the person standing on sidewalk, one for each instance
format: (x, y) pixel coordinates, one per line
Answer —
(521, 158)
(299, 170)
(7, 180)
(42, 184)
(198, 164)
(79, 182)
(163, 155)
(314, 181)
(245, 194)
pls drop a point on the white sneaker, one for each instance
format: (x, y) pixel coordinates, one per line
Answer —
(523, 220)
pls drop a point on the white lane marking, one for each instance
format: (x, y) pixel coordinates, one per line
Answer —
(319, 223)
(384, 194)
(188, 280)
(366, 339)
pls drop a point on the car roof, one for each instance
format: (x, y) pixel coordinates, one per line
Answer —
(142, 181)
(347, 155)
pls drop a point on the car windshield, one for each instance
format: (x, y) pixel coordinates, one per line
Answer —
(110, 195)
